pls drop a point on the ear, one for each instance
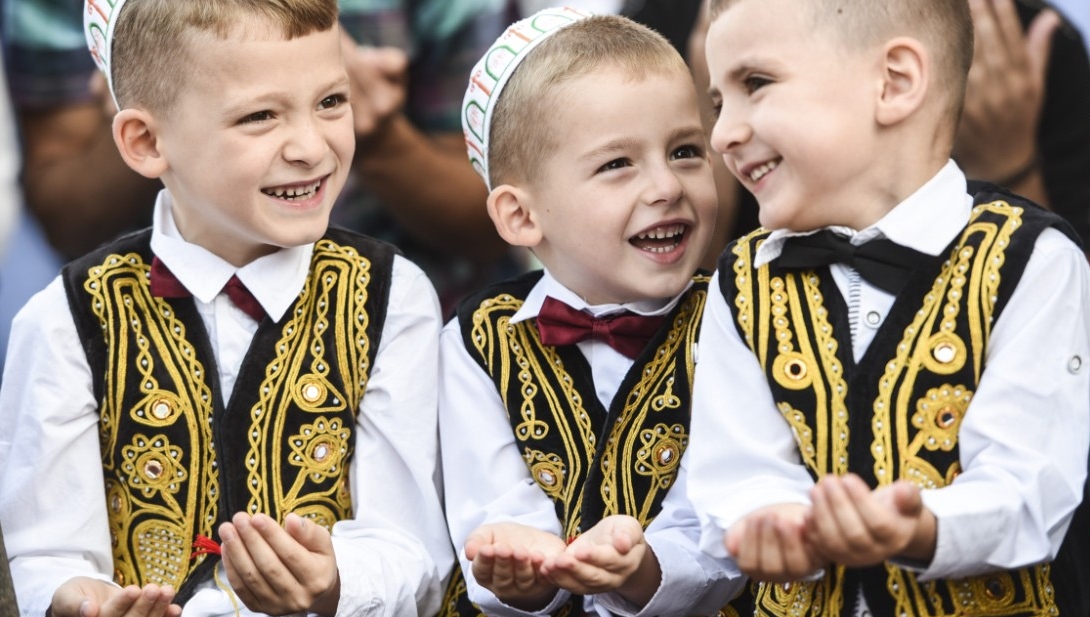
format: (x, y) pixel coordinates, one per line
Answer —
(137, 141)
(906, 78)
(508, 206)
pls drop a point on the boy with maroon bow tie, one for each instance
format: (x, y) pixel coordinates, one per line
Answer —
(570, 385)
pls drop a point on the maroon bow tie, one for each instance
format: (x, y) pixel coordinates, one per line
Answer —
(165, 285)
(628, 333)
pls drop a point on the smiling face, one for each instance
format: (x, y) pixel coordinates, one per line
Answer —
(796, 123)
(259, 144)
(626, 203)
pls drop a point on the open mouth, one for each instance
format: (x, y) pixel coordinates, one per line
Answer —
(660, 239)
(763, 169)
(299, 192)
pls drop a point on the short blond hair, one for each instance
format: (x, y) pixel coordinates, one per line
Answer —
(945, 27)
(520, 135)
(149, 59)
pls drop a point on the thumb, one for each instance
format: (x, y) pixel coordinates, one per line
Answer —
(1039, 41)
(390, 61)
(907, 498)
(475, 541)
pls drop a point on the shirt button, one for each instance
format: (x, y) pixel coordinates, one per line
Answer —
(873, 318)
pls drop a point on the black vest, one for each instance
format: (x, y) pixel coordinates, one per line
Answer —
(591, 461)
(177, 461)
(895, 414)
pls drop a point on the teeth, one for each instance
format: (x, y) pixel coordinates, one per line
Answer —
(661, 233)
(295, 192)
(760, 172)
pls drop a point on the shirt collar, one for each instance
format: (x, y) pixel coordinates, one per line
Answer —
(927, 221)
(549, 287)
(275, 280)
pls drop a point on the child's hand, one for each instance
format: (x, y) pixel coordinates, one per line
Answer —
(278, 570)
(769, 545)
(854, 526)
(88, 597)
(611, 556)
(506, 560)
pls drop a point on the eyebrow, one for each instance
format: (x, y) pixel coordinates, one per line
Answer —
(625, 143)
(250, 105)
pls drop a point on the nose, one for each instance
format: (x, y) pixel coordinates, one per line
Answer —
(664, 186)
(731, 129)
(306, 144)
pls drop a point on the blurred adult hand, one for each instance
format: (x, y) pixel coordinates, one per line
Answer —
(996, 139)
(379, 78)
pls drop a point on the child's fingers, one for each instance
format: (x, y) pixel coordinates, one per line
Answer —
(243, 573)
(503, 573)
(798, 560)
(523, 572)
(301, 546)
(484, 564)
(824, 525)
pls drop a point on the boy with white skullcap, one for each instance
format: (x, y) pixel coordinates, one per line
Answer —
(234, 411)
(569, 387)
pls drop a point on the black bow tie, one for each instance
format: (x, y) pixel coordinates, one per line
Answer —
(882, 263)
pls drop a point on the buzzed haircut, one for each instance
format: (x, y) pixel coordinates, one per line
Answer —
(521, 135)
(944, 26)
(150, 57)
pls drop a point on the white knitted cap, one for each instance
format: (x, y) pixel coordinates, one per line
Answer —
(492, 71)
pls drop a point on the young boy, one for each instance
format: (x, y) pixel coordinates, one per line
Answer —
(891, 406)
(239, 379)
(596, 160)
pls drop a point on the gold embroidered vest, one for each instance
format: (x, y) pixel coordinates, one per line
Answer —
(592, 462)
(896, 414)
(177, 460)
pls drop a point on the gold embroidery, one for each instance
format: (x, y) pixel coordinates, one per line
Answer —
(302, 366)
(160, 492)
(913, 436)
(547, 470)
(148, 338)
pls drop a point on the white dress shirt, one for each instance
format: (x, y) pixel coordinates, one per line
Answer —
(392, 556)
(476, 434)
(1022, 444)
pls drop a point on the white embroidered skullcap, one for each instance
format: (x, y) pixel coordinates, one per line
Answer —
(99, 21)
(492, 71)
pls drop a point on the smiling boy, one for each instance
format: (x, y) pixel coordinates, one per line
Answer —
(570, 385)
(233, 411)
(892, 407)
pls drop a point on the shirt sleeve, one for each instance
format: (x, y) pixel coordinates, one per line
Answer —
(393, 556)
(52, 504)
(743, 455)
(476, 435)
(1024, 440)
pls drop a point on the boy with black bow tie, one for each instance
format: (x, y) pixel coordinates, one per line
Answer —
(570, 386)
(892, 396)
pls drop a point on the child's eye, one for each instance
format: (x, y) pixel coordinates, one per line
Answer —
(332, 101)
(614, 164)
(754, 83)
(259, 116)
(688, 151)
